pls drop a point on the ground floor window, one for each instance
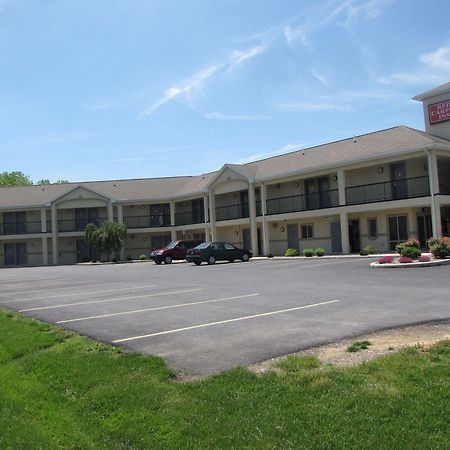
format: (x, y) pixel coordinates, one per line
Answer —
(307, 231)
(372, 227)
(398, 230)
(16, 254)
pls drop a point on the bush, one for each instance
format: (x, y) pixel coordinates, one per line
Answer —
(130, 258)
(291, 252)
(371, 249)
(439, 247)
(424, 258)
(319, 251)
(358, 346)
(386, 260)
(405, 260)
(308, 252)
(269, 255)
(142, 257)
(410, 252)
(409, 243)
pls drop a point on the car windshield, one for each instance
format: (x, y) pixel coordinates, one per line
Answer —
(204, 245)
(172, 244)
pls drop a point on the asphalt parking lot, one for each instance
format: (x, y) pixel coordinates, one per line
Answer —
(209, 318)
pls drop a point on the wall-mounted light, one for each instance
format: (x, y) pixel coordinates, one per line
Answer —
(425, 167)
(297, 184)
(380, 169)
(278, 185)
(235, 195)
(143, 207)
(334, 177)
(274, 225)
(236, 233)
(282, 229)
(144, 239)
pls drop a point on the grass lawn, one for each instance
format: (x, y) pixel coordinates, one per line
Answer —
(61, 390)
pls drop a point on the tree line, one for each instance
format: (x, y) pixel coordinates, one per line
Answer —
(17, 178)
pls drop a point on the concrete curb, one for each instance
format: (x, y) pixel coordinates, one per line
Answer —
(438, 262)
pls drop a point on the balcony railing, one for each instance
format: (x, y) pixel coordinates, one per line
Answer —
(230, 212)
(152, 221)
(304, 202)
(190, 217)
(388, 190)
(65, 225)
(20, 227)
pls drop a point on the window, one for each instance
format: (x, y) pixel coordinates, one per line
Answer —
(229, 246)
(307, 231)
(398, 230)
(372, 227)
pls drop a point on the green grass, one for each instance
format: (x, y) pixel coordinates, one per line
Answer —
(60, 390)
(358, 346)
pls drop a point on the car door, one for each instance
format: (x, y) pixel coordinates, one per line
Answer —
(218, 251)
(230, 252)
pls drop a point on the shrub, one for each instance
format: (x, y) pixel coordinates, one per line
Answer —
(386, 260)
(410, 252)
(142, 257)
(371, 249)
(409, 243)
(291, 252)
(319, 251)
(130, 258)
(358, 345)
(439, 247)
(424, 258)
(405, 260)
(308, 252)
(269, 255)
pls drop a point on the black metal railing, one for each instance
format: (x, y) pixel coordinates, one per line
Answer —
(20, 227)
(388, 190)
(65, 225)
(190, 217)
(304, 202)
(151, 221)
(230, 212)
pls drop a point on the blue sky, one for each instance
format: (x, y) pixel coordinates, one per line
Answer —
(111, 89)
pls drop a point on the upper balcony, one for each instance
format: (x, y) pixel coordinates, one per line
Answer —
(399, 189)
(10, 228)
(190, 217)
(303, 202)
(151, 221)
(236, 211)
(67, 225)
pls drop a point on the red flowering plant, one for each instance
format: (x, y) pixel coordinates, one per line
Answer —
(424, 258)
(405, 260)
(440, 247)
(386, 260)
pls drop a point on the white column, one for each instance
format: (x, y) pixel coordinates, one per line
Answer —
(252, 213)
(212, 214)
(54, 234)
(434, 189)
(43, 220)
(205, 212)
(412, 231)
(173, 233)
(344, 234)
(341, 187)
(265, 229)
(110, 211)
(120, 221)
(44, 251)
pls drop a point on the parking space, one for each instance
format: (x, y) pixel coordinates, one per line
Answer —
(209, 318)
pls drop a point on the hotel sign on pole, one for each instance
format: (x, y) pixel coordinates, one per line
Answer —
(439, 112)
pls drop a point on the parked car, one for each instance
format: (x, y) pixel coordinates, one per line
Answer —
(175, 250)
(211, 252)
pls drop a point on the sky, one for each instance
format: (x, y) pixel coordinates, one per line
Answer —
(114, 89)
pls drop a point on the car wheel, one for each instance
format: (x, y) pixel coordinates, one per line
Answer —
(245, 257)
(211, 260)
(231, 260)
(168, 260)
(197, 263)
(158, 262)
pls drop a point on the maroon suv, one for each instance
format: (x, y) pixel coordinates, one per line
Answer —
(173, 251)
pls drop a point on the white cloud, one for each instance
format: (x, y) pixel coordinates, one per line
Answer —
(321, 78)
(235, 59)
(294, 35)
(434, 69)
(313, 106)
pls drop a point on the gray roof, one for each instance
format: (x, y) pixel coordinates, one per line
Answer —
(378, 144)
(442, 89)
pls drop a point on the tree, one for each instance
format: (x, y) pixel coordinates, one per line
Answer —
(107, 238)
(15, 178)
(44, 181)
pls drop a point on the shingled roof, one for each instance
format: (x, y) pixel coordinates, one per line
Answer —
(378, 144)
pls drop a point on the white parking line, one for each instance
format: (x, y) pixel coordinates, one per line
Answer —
(210, 324)
(79, 293)
(135, 311)
(58, 288)
(110, 300)
(318, 264)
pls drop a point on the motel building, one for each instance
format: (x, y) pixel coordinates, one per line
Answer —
(379, 188)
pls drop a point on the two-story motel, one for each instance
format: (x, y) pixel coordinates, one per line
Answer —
(379, 188)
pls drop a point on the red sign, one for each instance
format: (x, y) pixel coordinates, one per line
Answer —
(439, 112)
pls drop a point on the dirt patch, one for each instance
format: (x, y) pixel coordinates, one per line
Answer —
(382, 343)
